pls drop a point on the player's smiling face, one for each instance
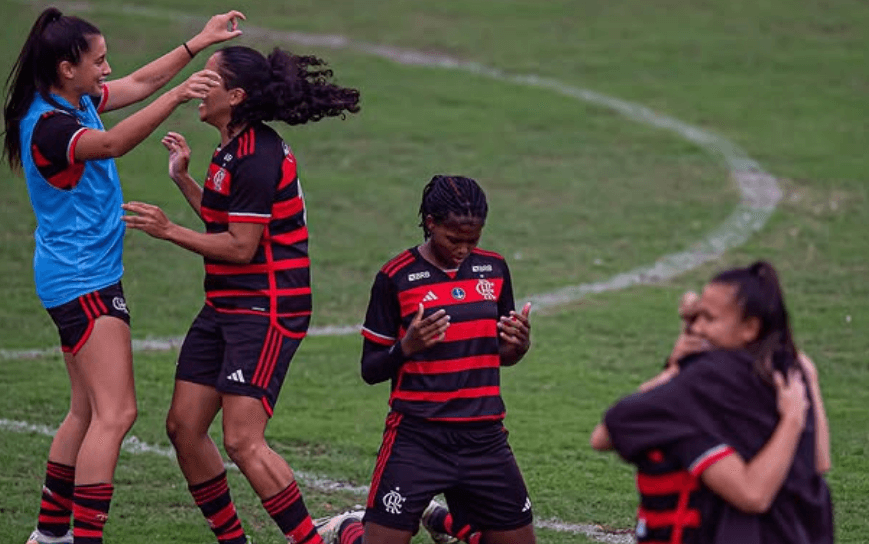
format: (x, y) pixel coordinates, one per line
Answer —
(453, 239)
(88, 76)
(720, 320)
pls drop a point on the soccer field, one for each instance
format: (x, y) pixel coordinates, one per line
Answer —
(628, 149)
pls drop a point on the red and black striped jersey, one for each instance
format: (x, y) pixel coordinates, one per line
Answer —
(673, 501)
(716, 406)
(253, 179)
(457, 379)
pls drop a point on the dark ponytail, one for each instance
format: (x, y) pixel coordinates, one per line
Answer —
(760, 296)
(283, 87)
(53, 38)
(458, 195)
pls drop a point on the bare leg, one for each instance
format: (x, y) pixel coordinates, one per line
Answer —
(69, 436)
(244, 425)
(105, 366)
(193, 408)
(378, 534)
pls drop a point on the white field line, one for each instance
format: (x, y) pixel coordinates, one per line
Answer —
(759, 191)
(133, 445)
(759, 194)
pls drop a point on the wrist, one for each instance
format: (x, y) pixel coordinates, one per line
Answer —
(170, 233)
(196, 44)
(793, 420)
(181, 176)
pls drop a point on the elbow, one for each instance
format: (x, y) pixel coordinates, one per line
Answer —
(371, 378)
(754, 503)
(242, 254)
(600, 438)
(824, 467)
(112, 149)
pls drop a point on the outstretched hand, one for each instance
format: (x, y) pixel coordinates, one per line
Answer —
(424, 332)
(179, 154)
(149, 219)
(221, 27)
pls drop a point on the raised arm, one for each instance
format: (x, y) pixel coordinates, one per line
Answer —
(121, 138)
(148, 79)
(752, 487)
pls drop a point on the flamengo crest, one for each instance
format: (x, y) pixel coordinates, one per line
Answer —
(486, 289)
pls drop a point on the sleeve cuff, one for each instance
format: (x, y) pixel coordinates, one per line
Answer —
(709, 458)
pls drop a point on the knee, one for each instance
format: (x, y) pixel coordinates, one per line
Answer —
(118, 421)
(80, 417)
(178, 429)
(241, 447)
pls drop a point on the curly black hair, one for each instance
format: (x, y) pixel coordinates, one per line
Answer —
(284, 87)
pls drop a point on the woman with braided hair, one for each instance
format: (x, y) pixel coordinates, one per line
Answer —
(257, 287)
(440, 325)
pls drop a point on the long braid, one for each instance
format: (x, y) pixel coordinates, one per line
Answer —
(457, 195)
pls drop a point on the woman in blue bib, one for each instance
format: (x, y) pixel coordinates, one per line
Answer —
(56, 91)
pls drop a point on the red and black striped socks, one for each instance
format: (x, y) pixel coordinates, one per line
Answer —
(288, 510)
(55, 510)
(90, 511)
(212, 498)
(442, 522)
(351, 532)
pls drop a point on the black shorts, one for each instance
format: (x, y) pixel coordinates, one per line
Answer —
(236, 354)
(471, 464)
(75, 319)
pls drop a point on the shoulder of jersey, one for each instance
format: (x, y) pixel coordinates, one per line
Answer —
(398, 262)
(257, 137)
(487, 253)
(51, 113)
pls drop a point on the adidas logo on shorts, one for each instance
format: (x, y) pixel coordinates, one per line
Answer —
(236, 376)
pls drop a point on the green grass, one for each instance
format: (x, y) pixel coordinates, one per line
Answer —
(577, 193)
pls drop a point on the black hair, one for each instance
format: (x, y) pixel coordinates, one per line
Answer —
(54, 38)
(458, 195)
(284, 87)
(759, 295)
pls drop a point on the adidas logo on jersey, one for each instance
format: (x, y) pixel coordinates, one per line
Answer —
(430, 296)
(236, 376)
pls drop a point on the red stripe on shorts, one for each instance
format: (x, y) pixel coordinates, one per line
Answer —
(392, 421)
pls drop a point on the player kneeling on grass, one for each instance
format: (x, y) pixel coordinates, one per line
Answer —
(727, 446)
(440, 325)
(257, 281)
